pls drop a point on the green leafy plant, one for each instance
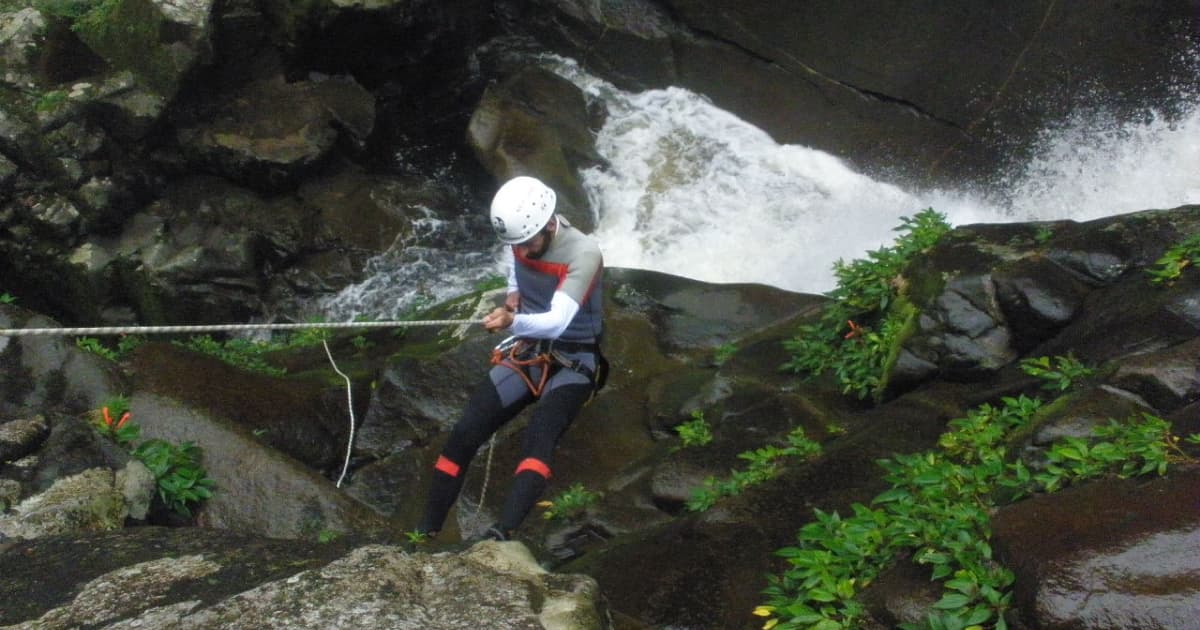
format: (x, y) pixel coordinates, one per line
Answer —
(694, 432)
(241, 353)
(7, 298)
(326, 536)
(724, 353)
(937, 513)
(763, 464)
(858, 331)
(125, 345)
(1169, 267)
(50, 101)
(1043, 234)
(302, 338)
(416, 537)
(1125, 449)
(1059, 373)
(569, 503)
(113, 420)
(181, 479)
(96, 347)
(492, 282)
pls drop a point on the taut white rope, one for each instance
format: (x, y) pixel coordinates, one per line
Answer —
(169, 329)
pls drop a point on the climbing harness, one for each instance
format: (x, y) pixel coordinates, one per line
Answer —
(147, 330)
(520, 355)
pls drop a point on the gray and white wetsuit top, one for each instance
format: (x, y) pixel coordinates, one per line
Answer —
(561, 292)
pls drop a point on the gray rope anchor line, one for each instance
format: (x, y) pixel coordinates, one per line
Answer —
(147, 330)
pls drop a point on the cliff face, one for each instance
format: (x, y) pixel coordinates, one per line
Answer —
(923, 90)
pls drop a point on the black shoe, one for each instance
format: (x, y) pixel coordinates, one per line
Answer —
(495, 533)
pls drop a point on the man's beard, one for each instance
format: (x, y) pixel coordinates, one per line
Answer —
(534, 255)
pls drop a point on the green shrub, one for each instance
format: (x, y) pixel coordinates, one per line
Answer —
(1169, 267)
(1059, 373)
(724, 353)
(125, 345)
(181, 479)
(764, 463)
(569, 503)
(858, 333)
(694, 432)
(937, 513)
(113, 421)
(240, 353)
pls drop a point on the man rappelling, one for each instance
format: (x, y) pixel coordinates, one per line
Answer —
(553, 310)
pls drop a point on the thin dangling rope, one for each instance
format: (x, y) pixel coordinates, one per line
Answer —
(349, 406)
(487, 473)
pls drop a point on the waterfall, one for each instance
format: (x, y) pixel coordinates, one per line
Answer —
(694, 191)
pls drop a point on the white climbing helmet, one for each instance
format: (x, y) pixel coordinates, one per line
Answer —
(521, 208)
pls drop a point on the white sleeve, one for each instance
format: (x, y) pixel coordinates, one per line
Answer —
(509, 264)
(548, 325)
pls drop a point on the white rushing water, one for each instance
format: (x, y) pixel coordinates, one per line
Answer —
(694, 191)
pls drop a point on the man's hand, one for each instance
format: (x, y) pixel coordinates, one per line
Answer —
(498, 319)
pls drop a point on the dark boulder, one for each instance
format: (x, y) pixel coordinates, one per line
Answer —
(1106, 554)
(536, 123)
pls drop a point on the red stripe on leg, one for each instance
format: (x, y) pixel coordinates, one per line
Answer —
(445, 465)
(536, 465)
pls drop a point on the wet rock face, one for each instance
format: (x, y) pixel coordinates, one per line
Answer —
(990, 293)
(1111, 555)
(965, 331)
(1168, 379)
(39, 372)
(21, 437)
(156, 578)
(85, 502)
(269, 148)
(1038, 297)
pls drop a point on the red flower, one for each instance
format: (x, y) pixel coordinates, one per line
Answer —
(108, 421)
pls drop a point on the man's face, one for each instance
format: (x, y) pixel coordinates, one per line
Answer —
(536, 246)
